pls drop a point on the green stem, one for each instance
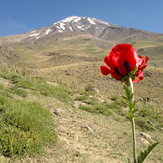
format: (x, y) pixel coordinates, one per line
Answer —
(132, 88)
(134, 139)
(132, 120)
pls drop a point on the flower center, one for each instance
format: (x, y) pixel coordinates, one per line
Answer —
(117, 71)
(128, 66)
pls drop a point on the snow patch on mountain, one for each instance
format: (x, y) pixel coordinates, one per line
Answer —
(33, 31)
(60, 31)
(35, 34)
(81, 27)
(91, 21)
(58, 27)
(77, 19)
(70, 28)
(69, 19)
(62, 25)
(47, 31)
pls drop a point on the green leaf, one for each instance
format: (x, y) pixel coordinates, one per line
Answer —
(124, 97)
(146, 152)
(132, 73)
(131, 96)
(128, 92)
(135, 110)
(132, 105)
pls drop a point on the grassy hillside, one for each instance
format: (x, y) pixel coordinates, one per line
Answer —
(55, 106)
(79, 49)
(91, 123)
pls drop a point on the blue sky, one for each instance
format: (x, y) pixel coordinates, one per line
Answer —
(20, 16)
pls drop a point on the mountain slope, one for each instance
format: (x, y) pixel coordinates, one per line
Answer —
(77, 39)
(82, 25)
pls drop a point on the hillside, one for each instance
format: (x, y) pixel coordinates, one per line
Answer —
(77, 36)
(56, 69)
(85, 120)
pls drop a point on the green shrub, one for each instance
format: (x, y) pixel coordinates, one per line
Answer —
(98, 109)
(143, 124)
(4, 99)
(87, 99)
(37, 84)
(24, 83)
(103, 110)
(59, 93)
(26, 127)
(148, 112)
(18, 91)
(1, 86)
(6, 75)
(117, 108)
(14, 141)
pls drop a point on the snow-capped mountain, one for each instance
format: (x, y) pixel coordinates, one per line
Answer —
(85, 25)
(75, 25)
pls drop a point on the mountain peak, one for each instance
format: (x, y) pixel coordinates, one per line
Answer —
(69, 19)
(91, 20)
(76, 25)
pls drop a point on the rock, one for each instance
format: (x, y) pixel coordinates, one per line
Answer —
(87, 128)
(67, 72)
(161, 129)
(146, 136)
(150, 123)
(144, 141)
(56, 112)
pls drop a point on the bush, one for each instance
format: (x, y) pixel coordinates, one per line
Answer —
(87, 99)
(59, 93)
(117, 108)
(26, 127)
(98, 109)
(18, 91)
(37, 84)
(143, 124)
(14, 141)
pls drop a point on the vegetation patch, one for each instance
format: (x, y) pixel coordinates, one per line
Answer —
(18, 91)
(86, 99)
(98, 109)
(59, 92)
(149, 117)
(26, 127)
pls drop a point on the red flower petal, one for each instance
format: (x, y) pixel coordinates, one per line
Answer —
(111, 61)
(140, 76)
(125, 56)
(105, 70)
(139, 60)
(144, 64)
(116, 75)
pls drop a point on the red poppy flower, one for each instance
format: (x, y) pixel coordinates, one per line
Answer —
(122, 60)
